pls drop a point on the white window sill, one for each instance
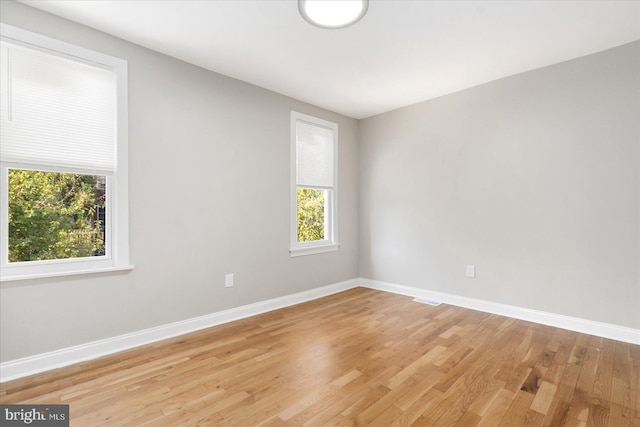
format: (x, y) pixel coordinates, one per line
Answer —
(65, 273)
(311, 250)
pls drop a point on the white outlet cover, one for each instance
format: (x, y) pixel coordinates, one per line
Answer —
(228, 280)
(471, 271)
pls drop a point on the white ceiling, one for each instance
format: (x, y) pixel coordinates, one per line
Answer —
(400, 53)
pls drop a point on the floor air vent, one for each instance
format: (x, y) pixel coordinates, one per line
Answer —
(427, 301)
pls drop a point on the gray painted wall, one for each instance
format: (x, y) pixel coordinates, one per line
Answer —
(534, 178)
(209, 195)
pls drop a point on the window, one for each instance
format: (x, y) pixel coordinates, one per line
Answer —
(314, 151)
(63, 158)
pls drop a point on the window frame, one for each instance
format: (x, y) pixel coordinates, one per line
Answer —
(116, 256)
(330, 243)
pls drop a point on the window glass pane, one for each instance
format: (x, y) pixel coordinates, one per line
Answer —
(55, 215)
(311, 211)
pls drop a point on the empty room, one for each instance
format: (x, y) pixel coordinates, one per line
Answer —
(309, 213)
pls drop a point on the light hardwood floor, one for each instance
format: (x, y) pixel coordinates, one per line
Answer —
(360, 357)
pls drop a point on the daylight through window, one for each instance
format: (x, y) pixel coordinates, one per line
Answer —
(63, 172)
(314, 189)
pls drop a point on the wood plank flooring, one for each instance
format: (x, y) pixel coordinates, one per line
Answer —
(360, 357)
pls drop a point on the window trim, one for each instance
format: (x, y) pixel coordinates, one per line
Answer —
(331, 208)
(117, 256)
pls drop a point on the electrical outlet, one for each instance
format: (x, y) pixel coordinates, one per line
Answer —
(471, 270)
(228, 280)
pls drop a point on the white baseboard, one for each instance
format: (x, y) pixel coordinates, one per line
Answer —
(18, 368)
(606, 330)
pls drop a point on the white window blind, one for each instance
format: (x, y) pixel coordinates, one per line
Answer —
(57, 112)
(315, 155)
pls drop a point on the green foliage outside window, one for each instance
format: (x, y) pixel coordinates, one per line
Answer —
(310, 214)
(54, 215)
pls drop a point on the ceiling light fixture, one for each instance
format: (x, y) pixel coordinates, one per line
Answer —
(332, 14)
